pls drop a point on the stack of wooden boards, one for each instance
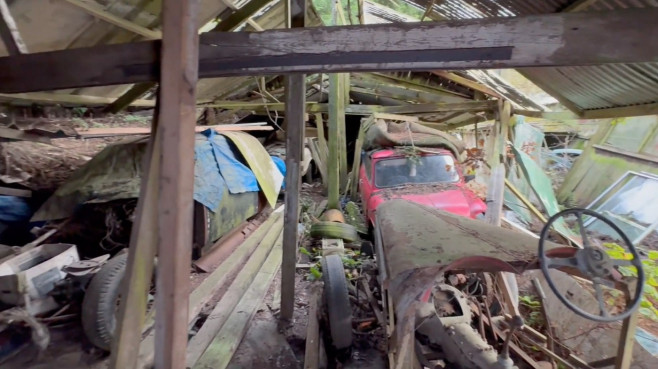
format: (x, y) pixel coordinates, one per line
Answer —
(247, 273)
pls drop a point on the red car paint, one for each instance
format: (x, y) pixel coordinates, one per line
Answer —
(445, 191)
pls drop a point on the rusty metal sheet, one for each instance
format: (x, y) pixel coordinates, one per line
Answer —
(415, 236)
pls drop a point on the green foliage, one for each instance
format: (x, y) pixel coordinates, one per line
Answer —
(79, 112)
(534, 316)
(315, 273)
(304, 251)
(650, 291)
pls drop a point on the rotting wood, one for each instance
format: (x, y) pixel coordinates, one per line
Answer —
(130, 131)
(220, 352)
(336, 113)
(319, 162)
(9, 32)
(100, 13)
(474, 85)
(322, 137)
(295, 118)
(136, 283)
(525, 201)
(626, 342)
(312, 351)
(212, 283)
(388, 116)
(230, 299)
(548, 40)
(9, 134)
(373, 303)
(227, 244)
(177, 118)
(8, 191)
(356, 164)
(49, 98)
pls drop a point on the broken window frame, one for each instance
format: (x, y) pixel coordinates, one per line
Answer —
(618, 186)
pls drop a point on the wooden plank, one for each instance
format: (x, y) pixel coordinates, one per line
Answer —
(177, 116)
(230, 299)
(241, 15)
(356, 166)
(129, 97)
(578, 5)
(336, 114)
(250, 21)
(131, 131)
(232, 22)
(65, 99)
(295, 117)
(467, 83)
(213, 283)
(8, 134)
(7, 191)
(221, 350)
(312, 351)
(9, 32)
(501, 42)
(626, 111)
(139, 267)
(99, 12)
(626, 342)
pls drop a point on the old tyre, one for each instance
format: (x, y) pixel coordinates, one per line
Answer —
(100, 302)
(334, 230)
(337, 301)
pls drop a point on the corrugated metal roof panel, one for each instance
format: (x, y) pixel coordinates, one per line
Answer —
(588, 87)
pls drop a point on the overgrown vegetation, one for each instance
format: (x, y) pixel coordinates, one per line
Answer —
(351, 9)
(650, 292)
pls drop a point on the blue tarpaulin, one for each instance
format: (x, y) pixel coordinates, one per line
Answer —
(14, 209)
(217, 167)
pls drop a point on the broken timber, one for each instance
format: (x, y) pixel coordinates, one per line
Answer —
(538, 40)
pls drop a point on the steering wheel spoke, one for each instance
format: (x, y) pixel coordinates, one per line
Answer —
(554, 263)
(622, 262)
(600, 298)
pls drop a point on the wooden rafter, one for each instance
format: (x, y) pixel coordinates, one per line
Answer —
(96, 10)
(250, 21)
(9, 32)
(229, 24)
(549, 40)
(477, 86)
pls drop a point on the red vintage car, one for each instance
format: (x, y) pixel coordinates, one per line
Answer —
(432, 177)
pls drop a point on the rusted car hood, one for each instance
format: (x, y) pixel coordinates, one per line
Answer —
(447, 197)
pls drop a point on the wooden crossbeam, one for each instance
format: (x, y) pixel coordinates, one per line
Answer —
(65, 99)
(99, 12)
(582, 38)
(9, 32)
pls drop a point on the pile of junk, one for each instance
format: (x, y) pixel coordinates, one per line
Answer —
(71, 272)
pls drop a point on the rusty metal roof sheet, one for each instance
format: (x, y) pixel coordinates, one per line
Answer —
(578, 88)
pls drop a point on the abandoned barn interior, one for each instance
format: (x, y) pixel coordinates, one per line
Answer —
(329, 184)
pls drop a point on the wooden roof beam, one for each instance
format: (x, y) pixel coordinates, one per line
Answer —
(548, 40)
(9, 32)
(96, 10)
(467, 83)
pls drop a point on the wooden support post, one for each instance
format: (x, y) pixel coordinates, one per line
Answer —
(9, 32)
(626, 341)
(139, 267)
(179, 73)
(296, 126)
(336, 122)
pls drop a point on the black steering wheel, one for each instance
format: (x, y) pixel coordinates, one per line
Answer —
(593, 263)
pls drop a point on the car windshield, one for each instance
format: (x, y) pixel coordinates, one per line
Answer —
(423, 170)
